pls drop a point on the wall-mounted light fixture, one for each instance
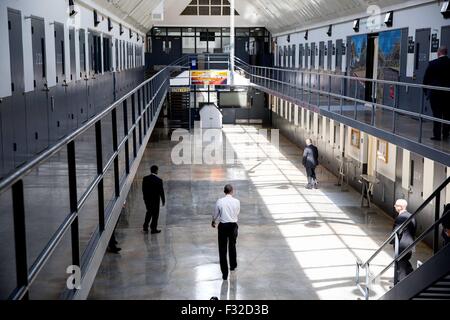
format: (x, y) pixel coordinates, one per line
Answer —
(131, 34)
(330, 30)
(72, 11)
(445, 10)
(389, 19)
(306, 35)
(288, 38)
(96, 21)
(120, 29)
(356, 25)
(110, 25)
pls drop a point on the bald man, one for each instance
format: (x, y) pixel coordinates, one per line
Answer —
(438, 74)
(406, 238)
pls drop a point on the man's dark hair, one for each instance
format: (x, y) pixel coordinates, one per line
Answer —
(154, 169)
(228, 189)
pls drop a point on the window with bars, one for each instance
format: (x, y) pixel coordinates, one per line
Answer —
(208, 8)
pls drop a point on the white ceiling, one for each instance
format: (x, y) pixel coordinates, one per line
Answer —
(276, 15)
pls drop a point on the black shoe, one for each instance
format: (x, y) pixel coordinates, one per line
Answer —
(225, 278)
(308, 187)
(155, 231)
(435, 138)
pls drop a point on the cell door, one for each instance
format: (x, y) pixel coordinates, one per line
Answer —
(82, 48)
(82, 107)
(445, 36)
(313, 55)
(175, 51)
(294, 55)
(37, 101)
(307, 56)
(329, 55)
(321, 55)
(72, 88)
(285, 50)
(14, 114)
(339, 54)
(242, 49)
(117, 54)
(415, 198)
(59, 114)
(301, 55)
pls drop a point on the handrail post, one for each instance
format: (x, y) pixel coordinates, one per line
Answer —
(125, 130)
(396, 254)
(100, 187)
(115, 148)
(20, 236)
(437, 206)
(422, 107)
(71, 164)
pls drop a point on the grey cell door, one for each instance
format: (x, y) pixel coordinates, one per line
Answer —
(301, 55)
(445, 36)
(82, 107)
(339, 54)
(421, 60)
(59, 114)
(14, 114)
(294, 55)
(73, 102)
(415, 197)
(117, 54)
(321, 55)
(329, 54)
(307, 56)
(313, 55)
(37, 101)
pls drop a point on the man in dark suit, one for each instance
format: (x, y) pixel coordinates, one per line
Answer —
(438, 74)
(406, 238)
(310, 162)
(153, 190)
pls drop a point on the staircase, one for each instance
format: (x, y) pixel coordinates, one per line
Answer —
(430, 281)
(178, 116)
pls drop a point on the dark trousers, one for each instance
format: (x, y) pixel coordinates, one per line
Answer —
(404, 267)
(441, 111)
(228, 233)
(311, 174)
(153, 215)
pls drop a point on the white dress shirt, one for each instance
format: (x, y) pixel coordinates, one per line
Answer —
(227, 209)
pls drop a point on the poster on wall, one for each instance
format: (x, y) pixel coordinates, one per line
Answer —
(389, 54)
(383, 151)
(355, 138)
(209, 77)
(357, 63)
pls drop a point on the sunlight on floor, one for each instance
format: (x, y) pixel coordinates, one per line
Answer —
(325, 240)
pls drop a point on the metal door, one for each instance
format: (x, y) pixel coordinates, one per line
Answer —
(339, 54)
(59, 113)
(415, 197)
(445, 36)
(16, 113)
(321, 55)
(313, 55)
(74, 98)
(329, 54)
(37, 101)
(242, 49)
(307, 56)
(421, 60)
(301, 55)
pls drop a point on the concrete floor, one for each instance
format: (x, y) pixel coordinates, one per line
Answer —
(293, 243)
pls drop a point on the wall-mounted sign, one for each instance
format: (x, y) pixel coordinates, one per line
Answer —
(180, 89)
(411, 45)
(434, 42)
(209, 77)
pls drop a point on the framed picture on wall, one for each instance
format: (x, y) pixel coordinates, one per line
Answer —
(383, 150)
(355, 138)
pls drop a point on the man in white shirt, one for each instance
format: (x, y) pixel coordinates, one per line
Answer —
(227, 210)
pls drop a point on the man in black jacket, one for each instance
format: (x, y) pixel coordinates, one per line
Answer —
(406, 238)
(310, 162)
(153, 190)
(438, 74)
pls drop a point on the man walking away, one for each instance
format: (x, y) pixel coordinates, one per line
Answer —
(227, 210)
(310, 162)
(406, 238)
(153, 190)
(438, 74)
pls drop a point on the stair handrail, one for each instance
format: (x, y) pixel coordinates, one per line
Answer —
(395, 236)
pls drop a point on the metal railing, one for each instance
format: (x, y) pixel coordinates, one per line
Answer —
(138, 110)
(370, 278)
(383, 104)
